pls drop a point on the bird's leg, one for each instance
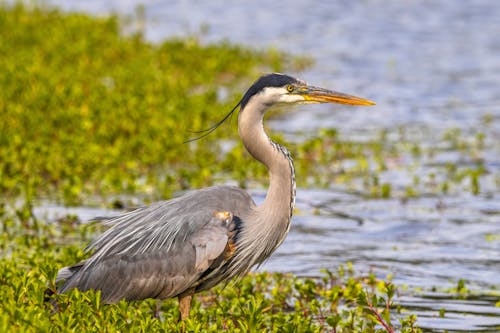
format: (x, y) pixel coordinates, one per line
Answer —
(157, 311)
(185, 303)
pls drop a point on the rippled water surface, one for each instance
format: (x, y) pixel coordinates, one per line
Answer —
(431, 66)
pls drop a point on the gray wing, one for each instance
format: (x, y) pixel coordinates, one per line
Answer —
(161, 250)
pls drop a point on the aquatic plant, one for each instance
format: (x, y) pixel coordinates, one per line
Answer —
(89, 114)
(32, 249)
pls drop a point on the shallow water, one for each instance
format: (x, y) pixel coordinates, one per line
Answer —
(430, 66)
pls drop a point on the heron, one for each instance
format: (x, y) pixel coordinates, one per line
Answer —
(188, 244)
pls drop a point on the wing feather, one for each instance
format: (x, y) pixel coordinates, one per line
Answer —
(125, 271)
(164, 224)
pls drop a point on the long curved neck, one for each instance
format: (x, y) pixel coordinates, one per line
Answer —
(278, 206)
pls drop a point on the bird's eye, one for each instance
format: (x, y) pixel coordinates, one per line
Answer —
(290, 88)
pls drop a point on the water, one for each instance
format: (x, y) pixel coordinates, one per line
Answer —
(430, 66)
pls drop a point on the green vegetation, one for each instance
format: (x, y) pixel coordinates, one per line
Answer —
(88, 115)
(32, 250)
(88, 111)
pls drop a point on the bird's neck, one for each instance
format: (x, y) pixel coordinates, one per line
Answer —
(278, 206)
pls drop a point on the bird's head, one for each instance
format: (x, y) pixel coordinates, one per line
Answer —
(280, 88)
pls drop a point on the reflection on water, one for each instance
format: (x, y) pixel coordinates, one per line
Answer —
(430, 66)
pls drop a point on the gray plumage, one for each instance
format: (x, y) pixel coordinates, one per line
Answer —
(178, 247)
(160, 250)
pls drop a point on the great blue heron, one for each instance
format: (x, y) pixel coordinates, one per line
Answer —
(182, 246)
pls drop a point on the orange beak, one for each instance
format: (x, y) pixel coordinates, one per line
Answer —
(320, 95)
